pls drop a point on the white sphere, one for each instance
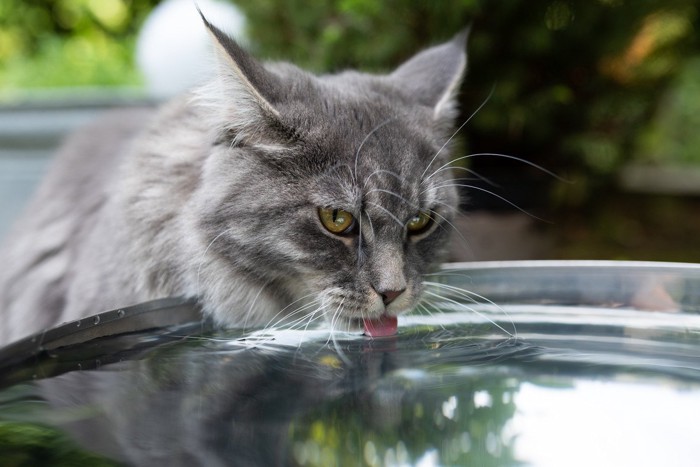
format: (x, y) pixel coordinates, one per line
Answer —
(174, 49)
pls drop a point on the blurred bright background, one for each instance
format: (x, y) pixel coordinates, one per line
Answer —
(605, 93)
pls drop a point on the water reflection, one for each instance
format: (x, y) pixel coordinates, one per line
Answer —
(585, 373)
(426, 397)
(211, 404)
(617, 423)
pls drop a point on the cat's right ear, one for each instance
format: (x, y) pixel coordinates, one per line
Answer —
(244, 93)
(433, 77)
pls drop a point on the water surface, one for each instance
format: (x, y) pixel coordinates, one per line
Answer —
(537, 363)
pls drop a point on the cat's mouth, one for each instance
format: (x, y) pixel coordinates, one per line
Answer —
(372, 318)
(384, 325)
(380, 326)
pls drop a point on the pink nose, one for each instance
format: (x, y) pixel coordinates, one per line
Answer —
(389, 296)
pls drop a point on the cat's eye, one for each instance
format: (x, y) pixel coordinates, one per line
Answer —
(337, 221)
(419, 223)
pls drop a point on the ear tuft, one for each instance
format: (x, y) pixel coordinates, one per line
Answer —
(243, 94)
(433, 76)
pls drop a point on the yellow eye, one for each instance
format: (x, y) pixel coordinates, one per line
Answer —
(419, 223)
(336, 221)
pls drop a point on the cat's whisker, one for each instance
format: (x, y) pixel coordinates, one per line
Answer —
(454, 227)
(456, 132)
(505, 200)
(359, 148)
(447, 165)
(283, 317)
(413, 206)
(371, 225)
(389, 192)
(447, 205)
(252, 304)
(443, 273)
(332, 337)
(335, 317)
(470, 295)
(303, 323)
(303, 318)
(359, 241)
(326, 305)
(338, 166)
(477, 176)
(471, 309)
(306, 317)
(389, 213)
(204, 254)
(315, 315)
(421, 306)
(382, 171)
(466, 294)
(303, 297)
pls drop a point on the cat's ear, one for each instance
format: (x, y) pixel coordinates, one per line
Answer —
(244, 93)
(434, 75)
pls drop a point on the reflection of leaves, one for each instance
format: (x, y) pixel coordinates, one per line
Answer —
(24, 444)
(449, 405)
(404, 418)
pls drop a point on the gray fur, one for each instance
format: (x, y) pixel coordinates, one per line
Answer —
(217, 197)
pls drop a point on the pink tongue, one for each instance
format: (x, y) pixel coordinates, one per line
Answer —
(383, 326)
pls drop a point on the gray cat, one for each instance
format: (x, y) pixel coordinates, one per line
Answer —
(269, 193)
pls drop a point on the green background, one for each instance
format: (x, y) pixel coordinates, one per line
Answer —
(585, 89)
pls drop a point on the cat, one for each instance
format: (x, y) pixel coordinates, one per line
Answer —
(267, 193)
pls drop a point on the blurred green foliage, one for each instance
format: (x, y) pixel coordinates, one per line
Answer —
(331, 35)
(441, 424)
(581, 87)
(27, 438)
(673, 135)
(29, 444)
(58, 43)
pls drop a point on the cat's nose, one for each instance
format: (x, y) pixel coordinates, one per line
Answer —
(389, 296)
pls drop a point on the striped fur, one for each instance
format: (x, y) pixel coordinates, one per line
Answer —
(216, 196)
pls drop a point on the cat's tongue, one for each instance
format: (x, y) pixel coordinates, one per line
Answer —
(383, 326)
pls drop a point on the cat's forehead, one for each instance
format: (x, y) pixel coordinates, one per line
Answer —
(376, 149)
(380, 182)
(367, 133)
(375, 152)
(350, 106)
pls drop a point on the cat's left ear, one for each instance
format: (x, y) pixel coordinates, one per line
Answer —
(244, 94)
(433, 76)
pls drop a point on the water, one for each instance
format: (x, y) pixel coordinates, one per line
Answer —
(538, 364)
